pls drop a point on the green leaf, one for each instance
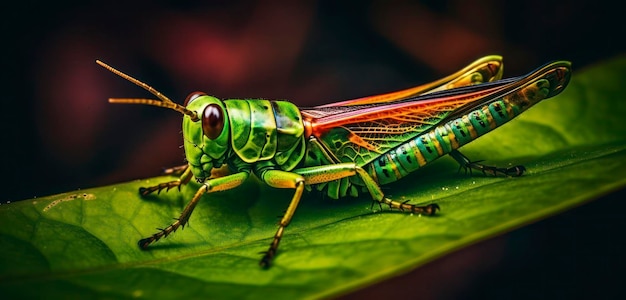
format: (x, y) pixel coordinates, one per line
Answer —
(84, 243)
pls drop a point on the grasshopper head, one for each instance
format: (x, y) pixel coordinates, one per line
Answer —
(205, 125)
(206, 139)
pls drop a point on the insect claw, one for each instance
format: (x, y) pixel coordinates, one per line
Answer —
(515, 171)
(267, 258)
(432, 208)
(143, 243)
(143, 191)
(264, 263)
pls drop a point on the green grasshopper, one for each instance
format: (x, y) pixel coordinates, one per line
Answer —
(345, 147)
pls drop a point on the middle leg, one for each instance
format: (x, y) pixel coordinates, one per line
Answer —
(320, 174)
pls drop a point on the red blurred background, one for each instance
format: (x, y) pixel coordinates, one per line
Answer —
(62, 135)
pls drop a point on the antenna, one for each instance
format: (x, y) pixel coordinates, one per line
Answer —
(163, 102)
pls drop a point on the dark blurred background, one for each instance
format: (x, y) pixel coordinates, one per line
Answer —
(62, 135)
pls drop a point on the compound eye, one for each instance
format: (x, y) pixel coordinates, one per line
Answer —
(212, 121)
(192, 97)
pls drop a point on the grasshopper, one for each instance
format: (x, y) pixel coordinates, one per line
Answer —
(349, 146)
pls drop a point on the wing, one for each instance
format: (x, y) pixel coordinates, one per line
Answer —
(360, 133)
(485, 69)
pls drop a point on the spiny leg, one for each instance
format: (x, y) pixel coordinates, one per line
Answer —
(282, 179)
(211, 185)
(182, 180)
(320, 174)
(185, 177)
(466, 164)
(377, 194)
(314, 175)
(181, 221)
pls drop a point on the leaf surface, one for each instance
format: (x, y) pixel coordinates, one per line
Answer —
(84, 243)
